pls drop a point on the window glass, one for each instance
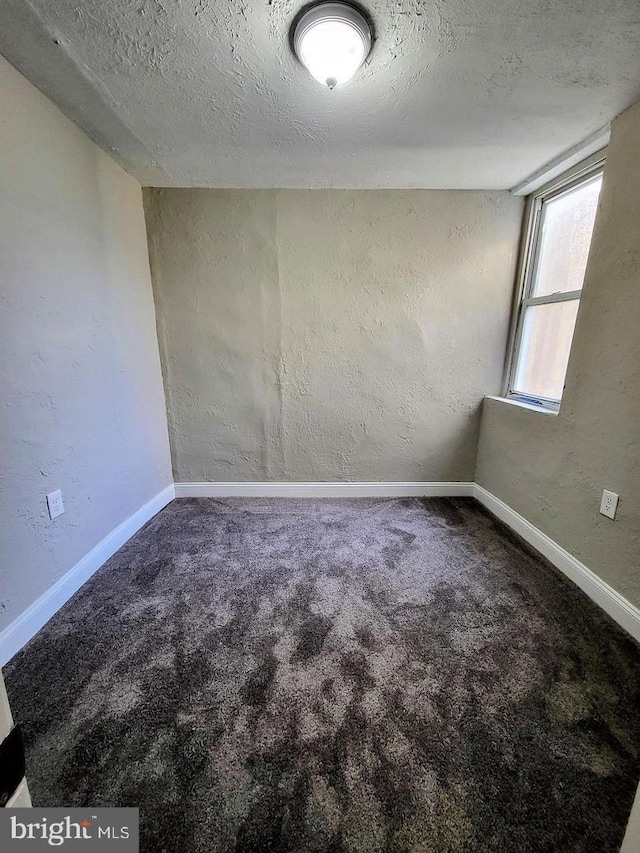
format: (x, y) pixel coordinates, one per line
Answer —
(566, 227)
(562, 218)
(545, 342)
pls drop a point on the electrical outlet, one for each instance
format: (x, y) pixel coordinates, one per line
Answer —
(609, 503)
(54, 502)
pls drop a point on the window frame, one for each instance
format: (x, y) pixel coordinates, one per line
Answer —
(529, 253)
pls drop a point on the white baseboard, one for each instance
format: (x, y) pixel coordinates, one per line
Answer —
(22, 629)
(323, 490)
(616, 605)
(31, 620)
(621, 610)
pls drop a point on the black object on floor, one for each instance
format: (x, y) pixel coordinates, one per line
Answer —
(12, 765)
(335, 675)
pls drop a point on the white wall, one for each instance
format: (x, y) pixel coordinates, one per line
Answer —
(330, 335)
(552, 469)
(82, 405)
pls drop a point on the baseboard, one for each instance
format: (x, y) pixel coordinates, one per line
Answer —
(616, 605)
(31, 620)
(323, 490)
(22, 629)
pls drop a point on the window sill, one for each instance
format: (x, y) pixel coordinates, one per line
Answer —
(522, 405)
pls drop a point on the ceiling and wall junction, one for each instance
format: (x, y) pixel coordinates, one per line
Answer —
(454, 94)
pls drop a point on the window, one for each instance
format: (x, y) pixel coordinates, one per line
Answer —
(559, 235)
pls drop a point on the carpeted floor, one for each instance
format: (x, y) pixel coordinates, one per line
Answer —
(337, 675)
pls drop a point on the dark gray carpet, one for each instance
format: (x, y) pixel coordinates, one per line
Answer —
(338, 675)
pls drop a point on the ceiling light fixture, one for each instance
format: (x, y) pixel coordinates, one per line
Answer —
(332, 40)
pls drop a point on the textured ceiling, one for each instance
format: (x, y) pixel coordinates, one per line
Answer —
(456, 94)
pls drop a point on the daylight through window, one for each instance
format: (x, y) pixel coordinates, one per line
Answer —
(559, 241)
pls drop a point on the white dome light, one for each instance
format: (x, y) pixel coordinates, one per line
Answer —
(332, 40)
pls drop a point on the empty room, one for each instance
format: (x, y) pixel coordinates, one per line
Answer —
(320, 426)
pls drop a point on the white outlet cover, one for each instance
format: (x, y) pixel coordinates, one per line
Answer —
(609, 503)
(55, 504)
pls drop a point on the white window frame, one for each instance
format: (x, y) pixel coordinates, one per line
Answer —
(529, 253)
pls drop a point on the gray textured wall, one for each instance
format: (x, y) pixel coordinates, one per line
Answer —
(552, 469)
(329, 335)
(82, 407)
